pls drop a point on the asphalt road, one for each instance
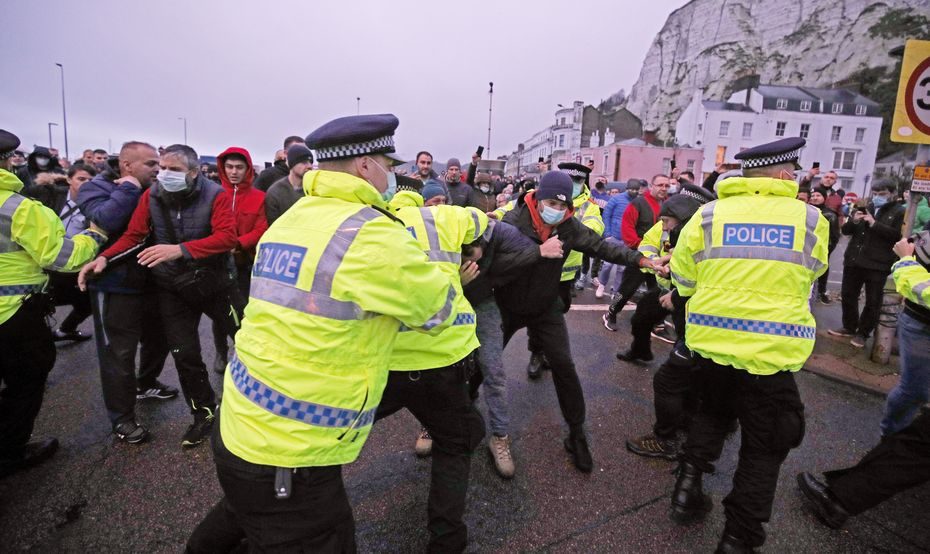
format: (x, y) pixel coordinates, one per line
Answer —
(103, 496)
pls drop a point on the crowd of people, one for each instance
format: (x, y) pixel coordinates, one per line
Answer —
(350, 291)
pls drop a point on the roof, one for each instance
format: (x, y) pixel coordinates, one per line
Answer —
(725, 106)
(790, 93)
(839, 95)
(906, 155)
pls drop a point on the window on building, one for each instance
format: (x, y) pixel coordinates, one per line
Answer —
(700, 127)
(860, 134)
(805, 130)
(846, 183)
(781, 104)
(879, 171)
(860, 109)
(805, 105)
(724, 128)
(666, 165)
(844, 159)
(721, 155)
(562, 121)
(690, 165)
(837, 107)
(747, 130)
(780, 128)
(606, 159)
(835, 134)
(561, 141)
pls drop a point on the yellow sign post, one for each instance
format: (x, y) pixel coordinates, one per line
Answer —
(911, 121)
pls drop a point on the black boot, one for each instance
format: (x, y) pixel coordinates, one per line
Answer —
(732, 545)
(32, 454)
(534, 368)
(577, 445)
(689, 503)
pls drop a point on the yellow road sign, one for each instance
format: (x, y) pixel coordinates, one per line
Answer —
(911, 121)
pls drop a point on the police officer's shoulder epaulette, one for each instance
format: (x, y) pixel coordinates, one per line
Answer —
(389, 214)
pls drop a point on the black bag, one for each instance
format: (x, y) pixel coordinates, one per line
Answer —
(196, 285)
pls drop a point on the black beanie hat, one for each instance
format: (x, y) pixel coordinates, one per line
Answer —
(298, 153)
(555, 185)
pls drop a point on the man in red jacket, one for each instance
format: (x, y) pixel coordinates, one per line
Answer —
(234, 166)
(640, 216)
(190, 220)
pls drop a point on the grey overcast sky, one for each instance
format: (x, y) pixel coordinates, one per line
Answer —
(250, 73)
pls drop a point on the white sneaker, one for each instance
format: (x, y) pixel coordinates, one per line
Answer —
(599, 293)
(424, 444)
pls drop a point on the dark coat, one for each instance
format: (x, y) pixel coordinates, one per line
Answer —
(271, 175)
(507, 253)
(535, 290)
(870, 247)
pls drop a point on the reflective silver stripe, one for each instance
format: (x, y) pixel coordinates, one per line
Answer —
(919, 289)
(61, 260)
(474, 217)
(686, 282)
(757, 253)
(308, 302)
(435, 252)
(336, 249)
(707, 224)
(648, 248)
(444, 312)
(810, 237)
(443, 256)
(280, 404)
(490, 230)
(590, 218)
(318, 300)
(6, 223)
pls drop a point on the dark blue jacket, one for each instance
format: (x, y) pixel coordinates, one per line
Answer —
(507, 253)
(613, 214)
(109, 206)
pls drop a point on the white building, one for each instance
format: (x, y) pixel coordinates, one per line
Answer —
(841, 127)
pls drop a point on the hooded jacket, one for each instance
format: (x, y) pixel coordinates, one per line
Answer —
(29, 172)
(248, 206)
(535, 290)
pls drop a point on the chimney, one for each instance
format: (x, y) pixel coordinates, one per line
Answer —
(649, 135)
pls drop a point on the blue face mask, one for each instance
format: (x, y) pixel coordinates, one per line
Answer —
(576, 190)
(391, 187)
(551, 216)
(879, 201)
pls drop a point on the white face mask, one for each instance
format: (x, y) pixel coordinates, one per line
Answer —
(172, 181)
(391, 190)
(672, 189)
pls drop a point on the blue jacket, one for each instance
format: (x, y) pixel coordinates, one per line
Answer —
(109, 206)
(613, 214)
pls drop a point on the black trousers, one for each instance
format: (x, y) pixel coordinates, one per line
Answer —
(822, 280)
(854, 278)
(632, 279)
(551, 335)
(649, 313)
(676, 392)
(440, 399)
(27, 355)
(181, 320)
(316, 517)
(565, 296)
(121, 323)
(243, 282)
(899, 462)
(65, 292)
(771, 417)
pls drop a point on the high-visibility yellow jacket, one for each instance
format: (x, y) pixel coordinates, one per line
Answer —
(441, 231)
(405, 199)
(748, 261)
(653, 246)
(32, 238)
(912, 281)
(333, 280)
(589, 214)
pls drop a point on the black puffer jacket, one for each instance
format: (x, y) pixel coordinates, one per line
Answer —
(536, 288)
(870, 247)
(507, 254)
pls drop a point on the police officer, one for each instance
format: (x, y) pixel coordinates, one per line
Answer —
(32, 238)
(747, 262)
(430, 374)
(589, 214)
(334, 279)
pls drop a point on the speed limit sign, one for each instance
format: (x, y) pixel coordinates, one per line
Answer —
(912, 110)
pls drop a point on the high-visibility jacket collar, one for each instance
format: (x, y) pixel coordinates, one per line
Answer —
(10, 182)
(334, 184)
(739, 186)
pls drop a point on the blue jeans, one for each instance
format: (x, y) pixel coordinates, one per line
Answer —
(490, 358)
(604, 275)
(913, 388)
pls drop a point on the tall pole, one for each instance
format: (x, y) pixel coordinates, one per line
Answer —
(490, 108)
(358, 105)
(50, 133)
(184, 119)
(64, 112)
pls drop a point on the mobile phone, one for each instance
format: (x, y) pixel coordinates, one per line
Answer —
(479, 150)
(731, 166)
(672, 164)
(541, 160)
(815, 165)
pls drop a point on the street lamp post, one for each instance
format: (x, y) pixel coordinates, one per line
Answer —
(490, 107)
(184, 119)
(50, 134)
(64, 112)
(358, 105)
